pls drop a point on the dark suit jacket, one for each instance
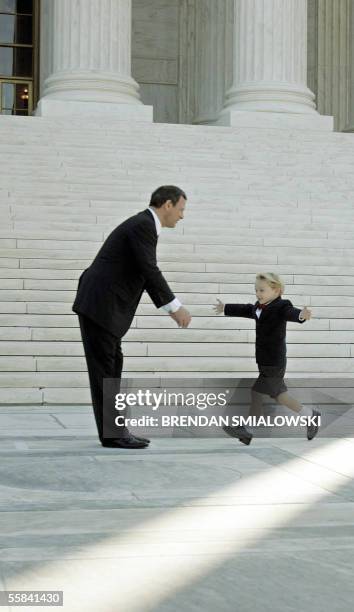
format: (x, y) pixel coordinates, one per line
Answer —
(110, 289)
(270, 328)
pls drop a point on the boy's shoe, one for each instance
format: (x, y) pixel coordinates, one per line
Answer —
(241, 433)
(313, 429)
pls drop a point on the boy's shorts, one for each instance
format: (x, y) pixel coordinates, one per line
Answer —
(270, 380)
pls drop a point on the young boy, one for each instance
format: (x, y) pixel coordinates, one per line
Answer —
(271, 313)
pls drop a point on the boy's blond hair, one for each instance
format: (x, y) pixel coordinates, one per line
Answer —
(272, 279)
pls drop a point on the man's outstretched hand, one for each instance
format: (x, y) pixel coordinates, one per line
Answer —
(182, 317)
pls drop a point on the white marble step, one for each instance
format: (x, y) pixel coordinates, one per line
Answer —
(182, 232)
(12, 290)
(199, 253)
(300, 195)
(26, 379)
(14, 395)
(179, 267)
(37, 278)
(68, 352)
(237, 191)
(80, 150)
(104, 189)
(68, 334)
(135, 180)
(333, 229)
(232, 201)
(55, 311)
(107, 221)
(77, 145)
(203, 330)
(67, 279)
(95, 241)
(20, 333)
(201, 173)
(143, 321)
(170, 364)
(96, 231)
(50, 185)
(191, 287)
(81, 395)
(336, 310)
(241, 161)
(62, 381)
(212, 322)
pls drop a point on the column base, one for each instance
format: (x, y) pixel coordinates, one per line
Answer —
(257, 119)
(48, 107)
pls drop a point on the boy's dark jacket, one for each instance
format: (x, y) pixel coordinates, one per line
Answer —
(270, 327)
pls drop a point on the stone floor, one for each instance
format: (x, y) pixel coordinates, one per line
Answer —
(185, 525)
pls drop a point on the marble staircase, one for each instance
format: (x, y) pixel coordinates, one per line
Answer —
(262, 199)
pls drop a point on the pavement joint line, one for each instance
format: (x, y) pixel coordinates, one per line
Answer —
(57, 420)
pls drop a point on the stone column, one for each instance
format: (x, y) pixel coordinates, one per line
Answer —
(90, 70)
(270, 67)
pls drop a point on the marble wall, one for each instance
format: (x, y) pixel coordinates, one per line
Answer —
(155, 55)
(182, 57)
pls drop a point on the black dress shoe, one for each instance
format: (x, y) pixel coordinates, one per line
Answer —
(127, 442)
(241, 433)
(313, 429)
(142, 439)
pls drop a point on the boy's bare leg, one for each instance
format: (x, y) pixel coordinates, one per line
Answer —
(284, 399)
(256, 408)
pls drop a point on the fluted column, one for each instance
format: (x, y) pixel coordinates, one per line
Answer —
(91, 60)
(270, 67)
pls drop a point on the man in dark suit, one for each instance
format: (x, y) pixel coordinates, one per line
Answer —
(110, 290)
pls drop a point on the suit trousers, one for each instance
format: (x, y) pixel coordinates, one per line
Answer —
(104, 359)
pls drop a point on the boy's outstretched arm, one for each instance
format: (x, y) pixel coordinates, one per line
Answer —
(296, 314)
(234, 310)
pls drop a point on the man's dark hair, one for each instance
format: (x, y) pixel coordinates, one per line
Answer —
(164, 193)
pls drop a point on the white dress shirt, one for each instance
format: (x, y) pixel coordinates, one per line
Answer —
(173, 306)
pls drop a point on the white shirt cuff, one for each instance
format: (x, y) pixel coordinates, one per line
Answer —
(173, 306)
(301, 318)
